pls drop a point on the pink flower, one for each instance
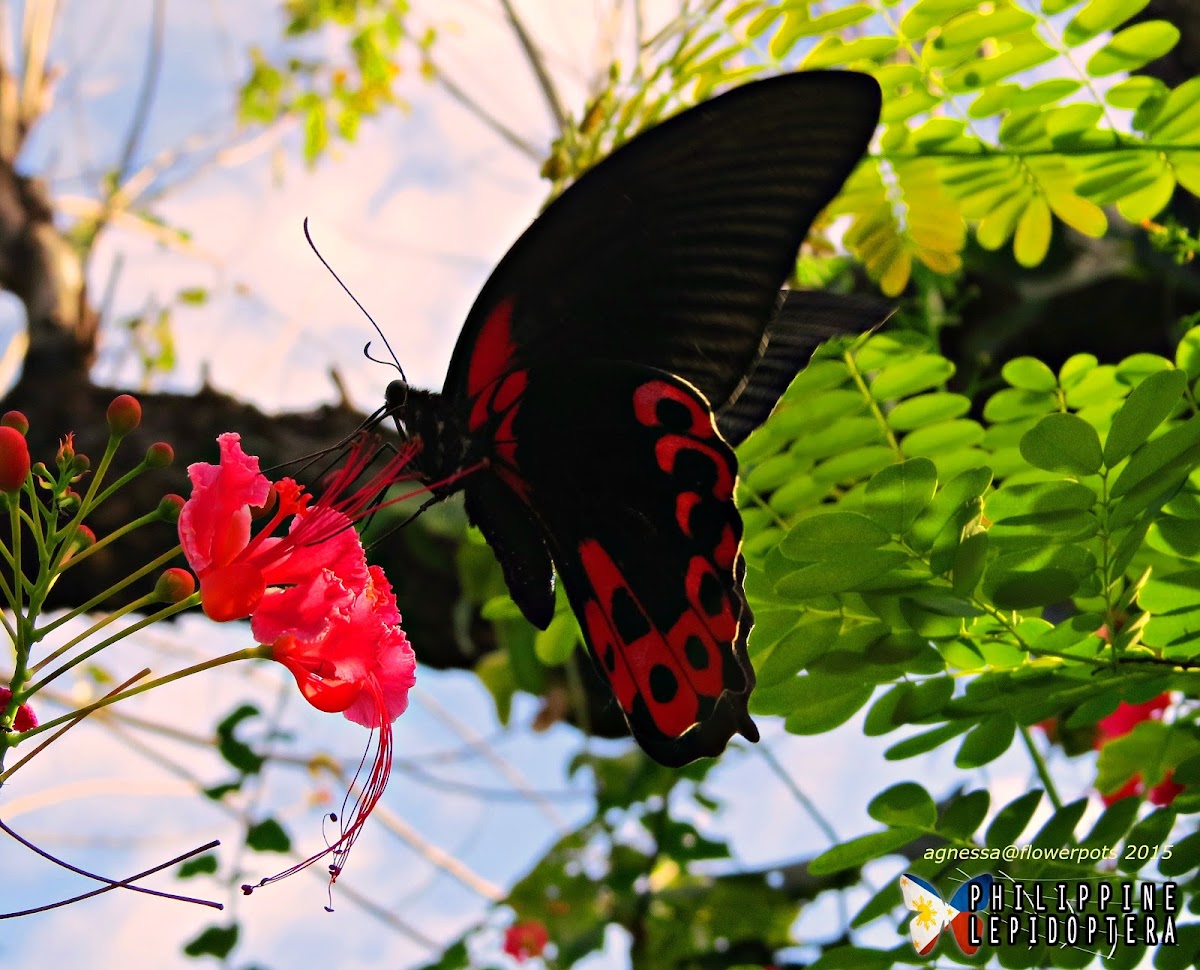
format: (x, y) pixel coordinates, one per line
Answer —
(310, 596)
(362, 666)
(1119, 723)
(286, 584)
(523, 941)
(25, 719)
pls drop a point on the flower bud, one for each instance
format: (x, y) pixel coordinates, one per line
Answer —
(65, 456)
(14, 459)
(175, 585)
(124, 414)
(169, 507)
(70, 502)
(25, 719)
(84, 538)
(15, 419)
(159, 455)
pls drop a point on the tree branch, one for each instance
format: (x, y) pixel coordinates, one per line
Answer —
(538, 64)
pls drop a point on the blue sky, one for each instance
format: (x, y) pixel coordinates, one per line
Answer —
(412, 217)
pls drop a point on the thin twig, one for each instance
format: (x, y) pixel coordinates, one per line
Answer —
(506, 768)
(521, 144)
(110, 883)
(150, 75)
(538, 64)
(70, 724)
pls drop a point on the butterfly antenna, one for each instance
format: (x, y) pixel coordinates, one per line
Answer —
(382, 336)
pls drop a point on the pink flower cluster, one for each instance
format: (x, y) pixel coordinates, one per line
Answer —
(331, 620)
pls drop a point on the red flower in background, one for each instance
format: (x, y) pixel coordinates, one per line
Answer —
(1119, 723)
(523, 941)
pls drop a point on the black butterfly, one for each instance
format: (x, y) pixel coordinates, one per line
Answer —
(626, 342)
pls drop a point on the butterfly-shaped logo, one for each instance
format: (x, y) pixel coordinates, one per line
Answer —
(933, 915)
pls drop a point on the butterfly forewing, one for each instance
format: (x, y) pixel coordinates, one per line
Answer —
(671, 252)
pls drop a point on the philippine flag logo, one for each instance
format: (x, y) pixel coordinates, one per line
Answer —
(933, 915)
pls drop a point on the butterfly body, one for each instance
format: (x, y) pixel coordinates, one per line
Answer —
(628, 340)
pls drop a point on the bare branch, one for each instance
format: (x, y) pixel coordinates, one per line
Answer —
(37, 28)
(502, 765)
(538, 64)
(9, 100)
(150, 75)
(521, 144)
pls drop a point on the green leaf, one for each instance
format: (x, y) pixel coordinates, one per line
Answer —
(1100, 16)
(1177, 591)
(1149, 834)
(1111, 827)
(1032, 238)
(1063, 443)
(1131, 92)
(896, 495)
(1133, 47)
(203, 865)
(832, 535)
(1030, 374)
(904, 804)
(1060, 828)
(970, 560)
(919, 373)
(1011, 820)
(1187, 354)
(797, 649)
(234, 751)
(946, 436)
(1178, 447)
(817, 709)
(925, 409)
(268, 836)
(1015, 404)
(214, 941)
(1148, 405)
(555, 644)
(925, 741)
(964, 815)
(986, 742)
(837, 576)
(864, 849)
(495, 672)
(949, 499)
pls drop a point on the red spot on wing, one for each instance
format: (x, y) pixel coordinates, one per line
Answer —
(668, 448)
(684, 503)
(510, 391)
(723, 622)
(639, 657)
(648, 396)
(494, 349)
(727, 548)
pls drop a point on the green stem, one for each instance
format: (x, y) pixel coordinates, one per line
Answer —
(99, 598)
(888, 434)
(145, 621)
(111, 537)
(125, 479)
(798, 793)
(257, 652)
(1043, 771)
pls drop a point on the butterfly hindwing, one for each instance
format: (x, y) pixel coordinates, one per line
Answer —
(633, 489)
